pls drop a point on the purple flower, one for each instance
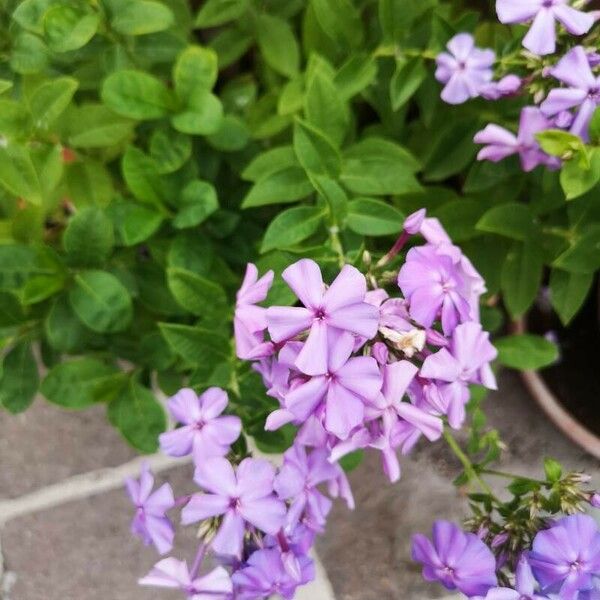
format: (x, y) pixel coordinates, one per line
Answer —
(250, 320)
(338, 395)
(565, 557)
(398, 416)
(541, 38)
(583, 90)
(340, 307)
(500, 143)
(464, 70)
(507, 86)
(465, 361)
(204, 431)
(432, 283)
(595, 500)
(245, 496)
(414, 221)
(265, 575)
(150, 522)
(458, 560)
(172, 573)
(297, 481)
(525, 585)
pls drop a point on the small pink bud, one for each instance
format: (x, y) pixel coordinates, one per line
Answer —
(413, 222)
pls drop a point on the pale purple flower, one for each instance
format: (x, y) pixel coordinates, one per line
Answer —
(501, 143)
(583, 90)
(525, 586)
(340, 307)
(250, 321)
(464, 70)
(433, 285)
(242, 496)
(338, 395)
(297, 481)
(150, 522)
(172, 573)
(398, 416)
(466, 361)
(458, 560)
(509, 85)
(265, 575)
(205, 432)
(541, 37)
(414, 221)
(565, 557)
(595, 500)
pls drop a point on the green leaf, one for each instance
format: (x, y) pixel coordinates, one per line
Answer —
(568, 292)
(196, 345)
(89, 182)
(96, 126)
(82, 382)
(19, 379)
(511, 220)
(594, 130)
(89, 238)
(559, 143)
(286, 185)
(140, 17)
(577, 178)
(135, 223)
(101, 301)
(19, 264)
(136, 95)
(18, 174)
(232, 135)
(325, 108)
(11, 311)
(195, 293)
(28, 55)
(292, 226)
(29, 14)
(196, 69)
(218, 12)
(316, 153)
(376, 166)
(67, 28)
(553, 470)
(406, 81)
(202, 116)
(340, 20)
(368, 216)
(459, 218)
(199, 201)
(584, 254)
(46, 280)
(64, 331)
(50, 99)
(270, 162)
(352, 461)
(170, 149)
(356, 74)
(522, 276)
(142, 176)
(526, 352)
(278, 44)
(138, 416)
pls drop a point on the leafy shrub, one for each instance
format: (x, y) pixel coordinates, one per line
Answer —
(150, 148)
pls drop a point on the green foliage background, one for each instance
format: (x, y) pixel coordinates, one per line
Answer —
(150, 148)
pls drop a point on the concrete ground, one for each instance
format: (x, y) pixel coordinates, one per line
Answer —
(82, 550)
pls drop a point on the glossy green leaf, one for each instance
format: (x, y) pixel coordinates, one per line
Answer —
(66, 28)
(315, 151)
(195, 293)
(278, 44)
(19, 379)
(369, 216)
(88, 238)
(526, 352)
(140, 17)
(198, 202)
(292, 226)
(568, 292)
(285, 185)
(511, 220)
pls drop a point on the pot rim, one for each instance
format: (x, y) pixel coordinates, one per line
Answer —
(554, 409)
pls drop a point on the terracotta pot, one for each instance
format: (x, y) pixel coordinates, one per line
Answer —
(554, 410)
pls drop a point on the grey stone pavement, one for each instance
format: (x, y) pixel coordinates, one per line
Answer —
(82, 550)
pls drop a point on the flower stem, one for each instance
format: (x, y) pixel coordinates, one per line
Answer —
(511, 476)
(336, 244)
(398, 245)
(466, 463)
(198, 561)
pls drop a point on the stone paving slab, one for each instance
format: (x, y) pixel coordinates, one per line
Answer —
(366, 553)
(46, 444)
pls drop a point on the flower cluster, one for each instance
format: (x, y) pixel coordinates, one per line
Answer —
(354, 367)
(563, 562)
(565, 90)
(259, 522)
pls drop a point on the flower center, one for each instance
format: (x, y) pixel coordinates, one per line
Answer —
(320, 314)
(462, 65)
(234, 503)
(449, 571)
(199, 425)
(594, 94)
(548, 3)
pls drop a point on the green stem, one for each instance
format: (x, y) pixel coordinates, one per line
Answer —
(466, 463)
(511, 476)
(336, 244)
